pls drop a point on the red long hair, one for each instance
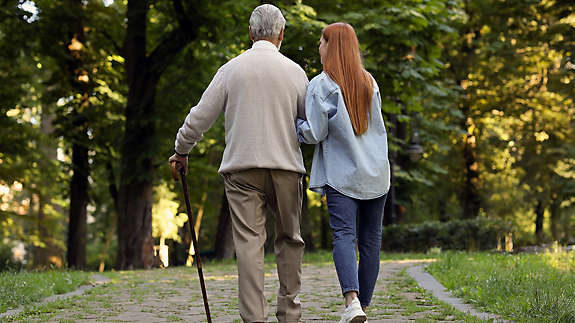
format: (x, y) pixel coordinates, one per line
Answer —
(342, 63)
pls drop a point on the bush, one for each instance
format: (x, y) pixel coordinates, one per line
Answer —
(475, 234)
(7, 262)
(98, 252)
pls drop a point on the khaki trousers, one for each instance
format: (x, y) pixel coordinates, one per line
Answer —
(249, 192)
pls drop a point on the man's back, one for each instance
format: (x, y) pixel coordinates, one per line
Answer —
(262, 93)
(265, 92)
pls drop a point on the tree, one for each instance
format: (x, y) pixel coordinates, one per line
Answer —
(516, 104)
(28, 171)
(77, 53)
(138, 147)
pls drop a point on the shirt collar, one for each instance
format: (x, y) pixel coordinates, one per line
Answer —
(264, 44)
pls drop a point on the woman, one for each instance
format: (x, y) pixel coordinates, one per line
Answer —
(350, 163)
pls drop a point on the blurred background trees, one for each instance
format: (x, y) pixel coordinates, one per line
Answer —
(477, 99)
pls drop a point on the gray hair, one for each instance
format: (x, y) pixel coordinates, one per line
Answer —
(266, 22)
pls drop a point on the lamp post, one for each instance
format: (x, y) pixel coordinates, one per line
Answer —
(414, 151)
(411, 154)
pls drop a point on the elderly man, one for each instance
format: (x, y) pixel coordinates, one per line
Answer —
(261, 93)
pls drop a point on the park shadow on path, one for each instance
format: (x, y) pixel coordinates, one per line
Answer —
(174, 295)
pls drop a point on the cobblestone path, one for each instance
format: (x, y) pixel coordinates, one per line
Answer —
(173, 295)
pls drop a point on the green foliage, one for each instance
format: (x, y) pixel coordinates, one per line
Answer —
(475, 234)
(499, 72)
(523, 287)
(510, 64)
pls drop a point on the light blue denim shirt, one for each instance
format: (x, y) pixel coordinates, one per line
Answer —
(356, 166)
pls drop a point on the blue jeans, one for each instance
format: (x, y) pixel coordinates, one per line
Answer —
(350, 220)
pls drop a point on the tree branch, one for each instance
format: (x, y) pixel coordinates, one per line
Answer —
(183, 19)
(112, 188)
(167, 50)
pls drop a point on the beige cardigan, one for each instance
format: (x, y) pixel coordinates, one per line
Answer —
(262, 93)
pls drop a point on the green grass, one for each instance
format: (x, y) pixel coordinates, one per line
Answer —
(393, 300)
(24, 288)
(523, 287)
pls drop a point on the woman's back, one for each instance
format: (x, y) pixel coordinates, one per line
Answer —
(355, 165)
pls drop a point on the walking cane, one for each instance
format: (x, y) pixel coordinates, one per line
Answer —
(194, 240)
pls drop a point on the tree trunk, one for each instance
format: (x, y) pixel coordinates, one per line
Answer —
(135, 243)
(567, 228)
(401, 162)
(49, 254)
(224, 244)
(38, 253)
(471, 200)
(539, 213)
(389, 214)
(389, 208)
(110, 217)
(393, 211)
(80, 81)
(112, 185)
(78, 225)
(555, 211)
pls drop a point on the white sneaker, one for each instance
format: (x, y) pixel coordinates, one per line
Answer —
(353, 313)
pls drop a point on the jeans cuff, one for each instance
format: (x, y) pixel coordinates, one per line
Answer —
(349, 289)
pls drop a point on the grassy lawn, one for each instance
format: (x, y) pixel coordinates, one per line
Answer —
(523, 287)
(25, 288)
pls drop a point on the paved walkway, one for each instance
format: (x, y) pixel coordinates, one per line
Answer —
(173, 295)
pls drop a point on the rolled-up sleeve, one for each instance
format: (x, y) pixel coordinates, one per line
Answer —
(315, 128)
(203, 115)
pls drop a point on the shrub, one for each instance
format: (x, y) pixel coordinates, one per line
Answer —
(7, 262)
(473, 234)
